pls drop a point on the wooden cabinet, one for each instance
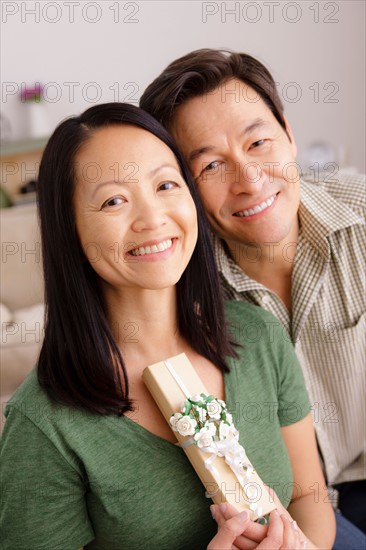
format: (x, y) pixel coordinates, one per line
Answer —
(19, 164)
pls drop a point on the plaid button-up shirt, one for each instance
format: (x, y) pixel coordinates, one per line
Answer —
(327, 326)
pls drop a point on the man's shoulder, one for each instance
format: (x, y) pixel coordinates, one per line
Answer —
(349, 189)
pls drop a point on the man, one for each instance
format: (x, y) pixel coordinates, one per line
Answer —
(294, 247)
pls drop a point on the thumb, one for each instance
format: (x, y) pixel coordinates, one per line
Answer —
(229, 531)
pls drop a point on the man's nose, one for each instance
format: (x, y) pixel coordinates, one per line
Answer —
(245, 177)
(149, 215)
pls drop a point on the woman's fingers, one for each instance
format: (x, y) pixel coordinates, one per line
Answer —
(253, 534)
(291, 538)
(228, 532)
(294, 538)
(283, 533)
(274, 538)
(254, 531)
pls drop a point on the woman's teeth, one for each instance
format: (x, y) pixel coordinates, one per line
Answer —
(153, 249)
(258, 208)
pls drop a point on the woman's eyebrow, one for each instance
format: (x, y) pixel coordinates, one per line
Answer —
(103, 183)
(152, 173)
(161, 167)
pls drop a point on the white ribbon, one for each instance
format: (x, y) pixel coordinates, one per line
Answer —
(230, 449)
(177, 378)
(236, 459)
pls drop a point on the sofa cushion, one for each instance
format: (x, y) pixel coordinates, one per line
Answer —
(21, 266)
(21, 339)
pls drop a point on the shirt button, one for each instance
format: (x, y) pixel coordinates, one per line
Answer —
(266, 299)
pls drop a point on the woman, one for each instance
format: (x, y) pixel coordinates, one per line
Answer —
(130, 280)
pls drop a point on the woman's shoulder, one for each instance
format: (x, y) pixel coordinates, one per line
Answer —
(237, 310)
(31, 402)
(260, 336)
(35, 419)
(29, 391)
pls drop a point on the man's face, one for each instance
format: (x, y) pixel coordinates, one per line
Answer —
(243, 163)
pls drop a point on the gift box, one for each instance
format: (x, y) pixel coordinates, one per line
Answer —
(205, 430)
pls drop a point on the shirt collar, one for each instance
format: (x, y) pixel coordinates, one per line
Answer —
(320, 215)
(230, 270)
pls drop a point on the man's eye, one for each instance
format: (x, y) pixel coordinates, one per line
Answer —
(113, 201)
(167, 185)
(257, 143)
(214, 164)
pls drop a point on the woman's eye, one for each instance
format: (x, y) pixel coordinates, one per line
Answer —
(167, 185)
(113, 201)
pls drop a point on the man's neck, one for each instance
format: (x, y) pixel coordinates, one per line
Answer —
(270, 264)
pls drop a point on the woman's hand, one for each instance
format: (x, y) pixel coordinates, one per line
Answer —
(238, 532)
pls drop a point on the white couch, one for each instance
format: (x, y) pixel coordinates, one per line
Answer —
(21, 296)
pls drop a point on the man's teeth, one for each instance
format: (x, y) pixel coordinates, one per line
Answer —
(256, 209)
(145, 250)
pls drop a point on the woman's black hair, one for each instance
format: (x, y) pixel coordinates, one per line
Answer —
(80, 362)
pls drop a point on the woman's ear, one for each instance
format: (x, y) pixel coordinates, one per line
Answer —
(291, 137)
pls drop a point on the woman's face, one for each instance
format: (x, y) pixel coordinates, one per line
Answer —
(135, 216)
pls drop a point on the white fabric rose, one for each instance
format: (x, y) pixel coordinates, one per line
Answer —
(202, 414)
(173, 421)
(214, 410)
(204, 438)
(196, 397)
(186, 425)
(224, 430)
(211, 427)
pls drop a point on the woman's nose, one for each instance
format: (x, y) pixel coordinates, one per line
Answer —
(149, 216)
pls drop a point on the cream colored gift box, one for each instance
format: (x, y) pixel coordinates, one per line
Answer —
(171, 382)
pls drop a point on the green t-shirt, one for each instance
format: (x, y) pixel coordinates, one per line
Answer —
(72, 479)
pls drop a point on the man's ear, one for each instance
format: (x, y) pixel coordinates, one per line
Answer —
(291, 136)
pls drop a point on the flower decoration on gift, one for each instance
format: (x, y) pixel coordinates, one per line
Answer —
(207, 423)
(206, 419)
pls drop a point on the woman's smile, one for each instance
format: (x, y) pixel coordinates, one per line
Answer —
(154, 249)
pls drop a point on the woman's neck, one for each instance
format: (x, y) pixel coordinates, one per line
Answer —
(144, 323)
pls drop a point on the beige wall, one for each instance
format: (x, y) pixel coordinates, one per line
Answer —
(315, 49)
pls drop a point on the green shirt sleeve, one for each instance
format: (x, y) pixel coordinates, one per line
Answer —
(268, 348)
(43, 496)
(293, 400)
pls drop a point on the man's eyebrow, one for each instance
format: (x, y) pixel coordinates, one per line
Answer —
(255, 125)
(200, 151)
